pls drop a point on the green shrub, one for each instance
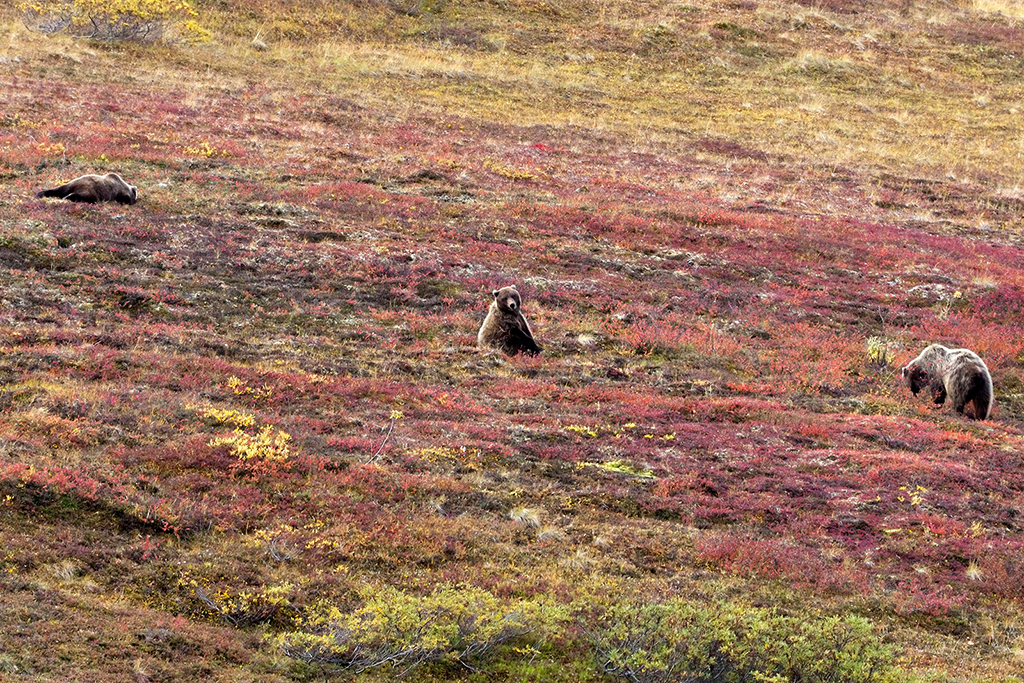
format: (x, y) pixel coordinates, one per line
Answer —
(641, 642)
(679, 641)
(454, 625)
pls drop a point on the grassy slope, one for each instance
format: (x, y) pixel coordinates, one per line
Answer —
(709, 212)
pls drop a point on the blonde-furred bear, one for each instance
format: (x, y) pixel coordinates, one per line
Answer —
(958, 375)
(505, 327)
(93, 189)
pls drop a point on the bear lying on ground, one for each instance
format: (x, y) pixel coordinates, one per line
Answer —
(95, 188)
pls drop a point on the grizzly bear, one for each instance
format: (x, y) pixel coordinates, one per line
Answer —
(505, 328)
(95, 188)
(957, 374)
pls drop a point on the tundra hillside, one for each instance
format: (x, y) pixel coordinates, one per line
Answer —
(245, 433)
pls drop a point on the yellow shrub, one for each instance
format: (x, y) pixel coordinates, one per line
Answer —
(140, 20)
(257, 452)
(229, 416)
(880, 351)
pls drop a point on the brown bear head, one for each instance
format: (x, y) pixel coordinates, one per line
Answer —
(915, 377)
(508, 299)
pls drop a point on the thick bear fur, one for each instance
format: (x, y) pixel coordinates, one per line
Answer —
(505, 328)
(95, 188)
(957, 374)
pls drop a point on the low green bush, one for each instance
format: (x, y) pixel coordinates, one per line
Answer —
(677, 640)
(641, 642)
(454, 624)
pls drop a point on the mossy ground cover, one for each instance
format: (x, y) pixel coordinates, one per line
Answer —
(233, 413)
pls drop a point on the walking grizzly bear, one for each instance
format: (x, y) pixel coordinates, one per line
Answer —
(95, 188)
(957, 374)
(505, 327)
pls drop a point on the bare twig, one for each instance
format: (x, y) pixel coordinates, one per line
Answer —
(391, 428)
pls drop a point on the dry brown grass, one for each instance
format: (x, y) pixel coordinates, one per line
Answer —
(866, 90)
(1010, 8)
(795, 82)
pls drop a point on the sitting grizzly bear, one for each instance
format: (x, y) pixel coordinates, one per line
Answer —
(958, 374)
(505, 328)
(95, 188)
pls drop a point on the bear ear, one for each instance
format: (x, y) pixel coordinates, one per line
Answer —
(495, 293)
